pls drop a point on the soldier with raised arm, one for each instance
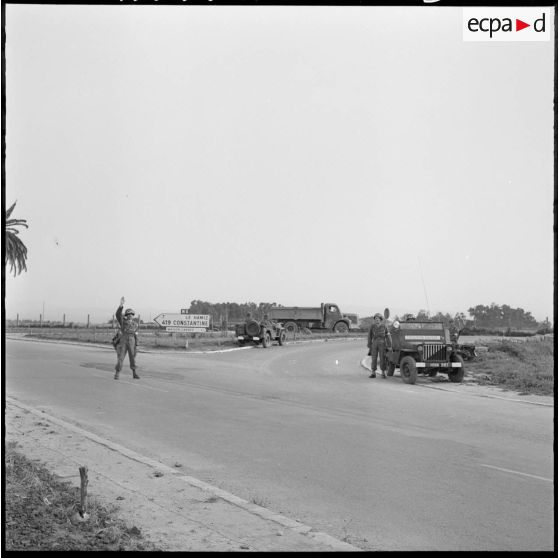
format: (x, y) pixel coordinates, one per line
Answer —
(128, 342)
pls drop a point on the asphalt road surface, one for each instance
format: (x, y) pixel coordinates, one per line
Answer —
(303, 431)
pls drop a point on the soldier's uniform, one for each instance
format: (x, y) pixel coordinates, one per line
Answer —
(128, 341)
(377, 336)
(454, 333)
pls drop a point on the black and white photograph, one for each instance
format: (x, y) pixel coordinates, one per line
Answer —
(278, 277)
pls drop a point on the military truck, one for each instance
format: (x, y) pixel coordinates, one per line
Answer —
(327, 316)
(417, 347)
(263, 333)
(353, 320)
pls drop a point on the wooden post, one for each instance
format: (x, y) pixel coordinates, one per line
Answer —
(87, 321)
(64, 320)
(17, 320)
(83, 490)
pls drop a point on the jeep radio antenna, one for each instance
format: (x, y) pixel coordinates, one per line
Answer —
(424, 287)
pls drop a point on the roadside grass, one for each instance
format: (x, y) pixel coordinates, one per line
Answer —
(38, 508)
(523, 366)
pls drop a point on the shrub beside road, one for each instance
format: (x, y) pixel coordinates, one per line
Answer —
(523, 366)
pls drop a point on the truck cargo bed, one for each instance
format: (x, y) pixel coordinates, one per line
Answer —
(297, 313)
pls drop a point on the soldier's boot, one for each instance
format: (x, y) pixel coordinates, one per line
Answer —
(384, 374)
(136, 377)
(372, 375)
(116, 374)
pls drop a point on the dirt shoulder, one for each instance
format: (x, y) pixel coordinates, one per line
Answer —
(173, 511)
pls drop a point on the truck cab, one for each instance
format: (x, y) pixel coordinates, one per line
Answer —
(333, 318)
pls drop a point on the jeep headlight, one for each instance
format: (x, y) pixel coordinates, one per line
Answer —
(420, 348)
(449, 349)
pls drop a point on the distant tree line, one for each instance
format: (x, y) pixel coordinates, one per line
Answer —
(496, 316)
(481, 316)
(230, 311)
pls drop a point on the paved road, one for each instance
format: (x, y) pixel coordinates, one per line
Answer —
(301, 430)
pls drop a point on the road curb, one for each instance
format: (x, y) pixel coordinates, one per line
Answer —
(291, 524)
(487, 395)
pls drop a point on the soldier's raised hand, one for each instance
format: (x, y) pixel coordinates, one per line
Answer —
(122, 301)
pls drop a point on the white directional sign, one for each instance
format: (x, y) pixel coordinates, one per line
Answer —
(186, 329)
(179, 322)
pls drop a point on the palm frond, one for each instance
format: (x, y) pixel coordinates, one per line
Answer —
(16, 251)
(16, 254)
(9, 211)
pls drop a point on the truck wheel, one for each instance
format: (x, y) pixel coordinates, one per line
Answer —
(456, 375)
(266, 341)
(390, 369)
(282, 337)
(341, 327)
(252, 328)
(408, 369)
(291, 327)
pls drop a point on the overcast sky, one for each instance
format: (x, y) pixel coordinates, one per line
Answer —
(367, 156)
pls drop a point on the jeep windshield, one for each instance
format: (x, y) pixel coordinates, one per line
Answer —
(418, 332)
(437, 326)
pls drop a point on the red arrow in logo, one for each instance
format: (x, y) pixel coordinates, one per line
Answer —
(519, 25)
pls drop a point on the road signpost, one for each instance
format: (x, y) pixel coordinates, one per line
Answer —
(183, 323)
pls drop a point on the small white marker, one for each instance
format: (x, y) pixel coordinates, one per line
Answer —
(336, 362)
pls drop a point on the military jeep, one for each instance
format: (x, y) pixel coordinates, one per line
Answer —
(255, 332)
(422, 348)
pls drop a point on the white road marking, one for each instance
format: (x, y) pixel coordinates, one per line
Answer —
(517, 472)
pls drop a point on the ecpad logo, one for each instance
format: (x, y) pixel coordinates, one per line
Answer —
(507, 24)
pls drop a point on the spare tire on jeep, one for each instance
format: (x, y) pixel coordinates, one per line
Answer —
(252, 328)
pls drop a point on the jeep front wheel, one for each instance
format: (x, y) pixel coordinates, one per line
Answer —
(408, 369)
(456, 375)
(341, 327)
(266, 341)
(282, 337)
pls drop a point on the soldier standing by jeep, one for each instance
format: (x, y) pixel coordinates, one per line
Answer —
(128, 339)
(454, 332)
(377, 336)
